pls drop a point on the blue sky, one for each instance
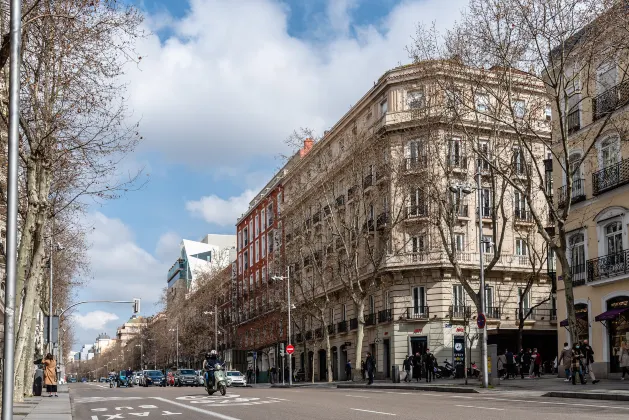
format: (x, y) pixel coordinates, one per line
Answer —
(221, 84)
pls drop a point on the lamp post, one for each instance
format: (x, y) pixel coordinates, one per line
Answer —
(141, 355)
(177, 343)
(59, 248)
(215, 313)
(290, 364)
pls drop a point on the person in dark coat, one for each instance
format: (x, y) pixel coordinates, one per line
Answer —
(576, 357)
(417, 367)
(370, 366)
(429, 365)
(407, 365)
(510, 365)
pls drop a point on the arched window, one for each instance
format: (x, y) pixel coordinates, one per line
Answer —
(575, 167)
(609, 151)
(613, 238)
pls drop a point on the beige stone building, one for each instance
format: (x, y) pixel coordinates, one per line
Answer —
(598, 223)
(130, 329)
(376, 191)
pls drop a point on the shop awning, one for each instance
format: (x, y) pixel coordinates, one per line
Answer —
(611, 314)
(580, 315)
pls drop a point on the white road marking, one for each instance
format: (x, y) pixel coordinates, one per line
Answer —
(197, 409)
(373, 412)
(482, 408)
(542, 402)
(356, 396)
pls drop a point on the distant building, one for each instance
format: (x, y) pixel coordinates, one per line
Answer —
(103, 342)
(130, 329)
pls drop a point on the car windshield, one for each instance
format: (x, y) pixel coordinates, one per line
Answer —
(187, 372)
(154, 373)
(123, 373)
(234, 374)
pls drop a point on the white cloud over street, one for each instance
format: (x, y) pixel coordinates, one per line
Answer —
(95, 320)
(222, 212)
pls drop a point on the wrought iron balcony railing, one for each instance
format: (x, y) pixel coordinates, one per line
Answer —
(385, 315)
(353, 323)
(610, 100)
(460, 312)
(522, 215)
(492, 312)
(368, 181)
(341, 327)
(577, 274)
(607, 266)
(573, 121)
(416, 163)
(611, 177)
(414, 211)
(340, 200)
(331, 329)
(417, 312)
(577, 194)
(457, 161)
(370, 319)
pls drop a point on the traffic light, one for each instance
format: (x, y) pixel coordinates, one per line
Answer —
(136, 305)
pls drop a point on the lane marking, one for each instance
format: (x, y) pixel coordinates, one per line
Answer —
(542, 402)
(482, 408)
(356, 396)
(197, 409)
(373, 412)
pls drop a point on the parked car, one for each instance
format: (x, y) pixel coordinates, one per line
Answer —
(72, 380)
(200, 377)
(152, 377)
(136, 378)
(235, 378)
(102, 379)
(170, 379)
(186, 377)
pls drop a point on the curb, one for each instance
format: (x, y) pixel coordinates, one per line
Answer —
(458, 390)
(298, 385)
(587, 395)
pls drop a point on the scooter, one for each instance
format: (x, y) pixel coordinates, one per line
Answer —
(473, 371)
(220, 381)
(112, 382)
(446, 371)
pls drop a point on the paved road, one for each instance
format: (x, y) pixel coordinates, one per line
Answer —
(98, 402)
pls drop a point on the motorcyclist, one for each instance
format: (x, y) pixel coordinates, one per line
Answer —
(211, 359)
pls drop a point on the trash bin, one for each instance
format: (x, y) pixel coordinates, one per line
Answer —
(395, 374)
(38, 382)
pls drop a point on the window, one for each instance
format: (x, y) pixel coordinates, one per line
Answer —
(486, 202)
(269, 215)
(263, 243)
(418, 244)
(270, 242)
(483, 163)
(575, 169)
(606, 76)
(482, 102)
(416, 153)
(246, 236)
(344, 312)
(455, 153)
(263, 221)
(264, 274)
(280, 200)
(256, 225)
(519, 205)
(387, 300)
(256, 282)
(246, 256)
(372, 305)
(415, 99)
(519, 108)
(257, 247)
(521, 247)
(372, 215)
(453, 100)
(489, 297)
(384, 107)
(250, 230)
(518, 161)
(240, 264)
(548, 112)
(576, 253)
(251, 255)
(250, 282)
(331, 316)
(417, 203)
(613, 240)
(459, 240)
(487, 245)
(419, 300)
(239, 240)
(610, 152)
(526, 303)
(458, 298)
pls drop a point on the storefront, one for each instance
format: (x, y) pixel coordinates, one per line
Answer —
(616, 321)
(581, 313)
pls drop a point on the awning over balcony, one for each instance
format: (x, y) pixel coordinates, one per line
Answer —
(611, 314)
(579, 315)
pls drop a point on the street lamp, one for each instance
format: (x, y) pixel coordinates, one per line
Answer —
(177, 330)
(290, 364)
(141, 355)
(215, 313)
(59, 248)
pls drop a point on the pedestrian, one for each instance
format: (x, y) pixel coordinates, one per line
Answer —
(624, 359)
(407, 368)
(417, 367)
(50, 375)
(565, 359)
(531, 361)
(537, 363)
(286, 373)
(575, 358)
(502, 366)
(370, 366)
(510, 364)
(429, 365)
(348, 370)
(588, 355)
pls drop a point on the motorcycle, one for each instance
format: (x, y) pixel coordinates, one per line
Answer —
(446, 371)
(473, 371)
(112, 381)
(220, 381)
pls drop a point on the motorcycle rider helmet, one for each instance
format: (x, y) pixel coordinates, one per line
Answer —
(213, 354)
(207, 355)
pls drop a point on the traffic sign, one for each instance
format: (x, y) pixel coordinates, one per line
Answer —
(290, 349)
(480, 322)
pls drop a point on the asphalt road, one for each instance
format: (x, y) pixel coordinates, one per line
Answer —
(99, 402)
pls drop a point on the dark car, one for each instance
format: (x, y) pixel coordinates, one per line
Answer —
(186, 377)
(152, 377)
(72, 380)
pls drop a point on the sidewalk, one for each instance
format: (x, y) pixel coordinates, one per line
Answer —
(45, 408)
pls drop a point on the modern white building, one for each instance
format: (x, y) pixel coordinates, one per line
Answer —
(211, 254)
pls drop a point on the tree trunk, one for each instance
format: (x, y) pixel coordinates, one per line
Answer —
(520, 325)
(360, 335)
(569, 293)
(328, 355)
(28, 360)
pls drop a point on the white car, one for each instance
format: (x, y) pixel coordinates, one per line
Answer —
(136, 378)
(235, 378)
(200, 377)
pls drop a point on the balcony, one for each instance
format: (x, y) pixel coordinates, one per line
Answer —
(610, 100)
(522, 215)
(319, 333)
(577, 195)
(460, 312)
(352, 193)
(573, 122)
(457, 161)
(385, 315)
(340, 201)
(520, 168)
(331, 330)
(416, 211)
(543, 314)
(353, 324)
(341, 327)
(370, 320)
(316, 218)
(611, 177)
(382, 220)
(486, 212)
(369, 225)
(577, 274)
(492, 312)
(608, 266)
(463, 211)
(327, 211)
(368, 181)
(548, 165)
(417, 312)
(415, 163)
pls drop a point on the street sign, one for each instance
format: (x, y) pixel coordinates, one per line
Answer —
(290, 349)
(480, 322)
(255, 355)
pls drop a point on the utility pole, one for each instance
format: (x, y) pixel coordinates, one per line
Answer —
(482, 279)
(12, 194)
(215, 327)
(50, 346)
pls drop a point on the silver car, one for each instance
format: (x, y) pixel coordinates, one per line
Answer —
(235, 378)
(186, 377)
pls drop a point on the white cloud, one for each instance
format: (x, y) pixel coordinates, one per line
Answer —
(96, 320)
(223, 212)
(167, 247)
(230, 83)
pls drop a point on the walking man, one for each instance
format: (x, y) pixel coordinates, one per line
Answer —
(348, 370)
(575, 357)
(429, 364)
(407, 368)
(565, 360)
(588, 354)
(510, 364)
(370, 365)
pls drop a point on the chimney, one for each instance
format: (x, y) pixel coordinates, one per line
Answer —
(307, 146)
